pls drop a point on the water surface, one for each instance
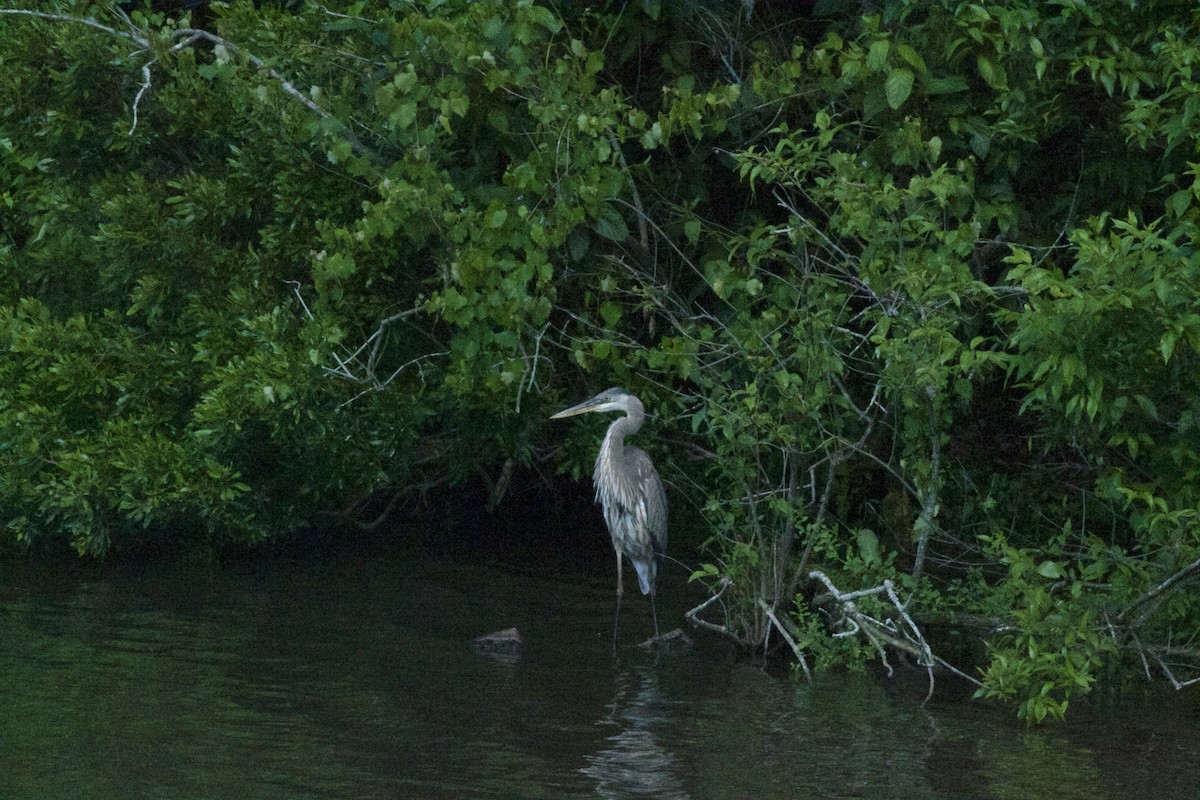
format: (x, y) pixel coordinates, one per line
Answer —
(356, 679)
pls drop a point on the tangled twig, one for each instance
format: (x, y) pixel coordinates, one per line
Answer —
(903, 635)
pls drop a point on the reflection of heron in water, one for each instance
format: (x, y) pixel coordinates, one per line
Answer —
(636, 760)
(631, 493)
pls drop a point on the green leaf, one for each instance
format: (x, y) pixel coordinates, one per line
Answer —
(1180, 202)
(875, 100)
(981, 143)
(868, 546)
(898, 87)
(610, 312)
(691, 230)
(994, 74)
(498, 120)
(404, 115)
(1049, 569)
(946, 85)
(611, 226)
(459, 104)
(577, 244)
(1166, 344)
(653, 136)
(492, 27)
(878, 53)
(544, 17)
(346, 24)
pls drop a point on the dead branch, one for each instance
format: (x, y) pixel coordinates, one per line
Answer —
(191, 35)
(787, 637)
(146, 80)
(351, 367)
(1159, 654)
(693, 616)
(929, 495)
(1166, 670)
(901, 634)
(134, 37)
(1188, 573)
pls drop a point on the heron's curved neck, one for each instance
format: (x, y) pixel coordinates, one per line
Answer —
(614, 440)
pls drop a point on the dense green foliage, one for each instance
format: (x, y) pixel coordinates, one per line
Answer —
(913, 294)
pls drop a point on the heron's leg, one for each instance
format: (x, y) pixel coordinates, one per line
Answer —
(617, 612)
(654, 612)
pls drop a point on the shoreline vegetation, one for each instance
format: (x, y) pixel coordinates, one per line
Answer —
(909, 291)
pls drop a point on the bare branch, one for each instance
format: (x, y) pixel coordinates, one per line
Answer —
(296, 289)
(1189, 572)
(906, 638)
(1178, 684)
(693, 616)
(929, 495)
(1160, 655)
(189, 36)
(132, 36)
(787, 637)
(348, 16)
(351, 368)
(138, 98)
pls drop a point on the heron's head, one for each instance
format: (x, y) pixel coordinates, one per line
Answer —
(614, 399)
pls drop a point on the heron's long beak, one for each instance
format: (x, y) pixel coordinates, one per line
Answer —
(595, 404)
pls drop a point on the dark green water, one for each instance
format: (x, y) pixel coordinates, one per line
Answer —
(357, 680)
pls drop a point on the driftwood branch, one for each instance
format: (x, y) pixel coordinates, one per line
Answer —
(787, 637)
(1166, 670)
(901, 633)
(1168, 658)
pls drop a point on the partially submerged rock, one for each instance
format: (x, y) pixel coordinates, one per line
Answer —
(504, 645)
(673, 642)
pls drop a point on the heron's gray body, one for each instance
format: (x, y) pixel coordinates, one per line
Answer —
(630, 492)
(635, 506)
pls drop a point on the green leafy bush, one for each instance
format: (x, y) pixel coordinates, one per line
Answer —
(911, 296)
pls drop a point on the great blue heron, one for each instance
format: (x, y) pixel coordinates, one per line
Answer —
(630, 492)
